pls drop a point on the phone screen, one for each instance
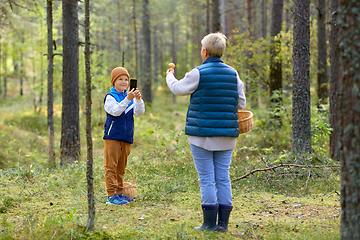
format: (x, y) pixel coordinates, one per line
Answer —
(133, 83)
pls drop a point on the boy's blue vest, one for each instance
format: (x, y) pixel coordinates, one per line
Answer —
(213, 106)
(120, 128)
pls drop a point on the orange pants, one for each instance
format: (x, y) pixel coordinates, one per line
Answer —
(115, 160)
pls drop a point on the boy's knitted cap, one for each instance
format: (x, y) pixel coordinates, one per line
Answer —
(117, 72)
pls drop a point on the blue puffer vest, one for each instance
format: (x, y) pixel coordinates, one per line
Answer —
(213, 106)
(120, 128)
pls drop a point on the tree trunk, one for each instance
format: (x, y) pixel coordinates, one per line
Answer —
(322, 77)
(136, 40)
(194, 39)
(173, 51)
(70, 138)
(231, 20)
(349, 113)
(50, 78)
(263, 18)
(89, 163)
(41, 87)
(251, 84)
(1, 58)
(301, 124)
(5, 73)
(223, 18)
(275, 63)
(288, 15)
(248, 7)
(50, 70)
(215, 16)
(33, 88)
(207, 27)
(334, 82)
(118, 29)
(156, 57)
(146, 82)
(21, 72)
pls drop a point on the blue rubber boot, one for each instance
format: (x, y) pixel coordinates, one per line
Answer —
(224, 214)
(210, 212)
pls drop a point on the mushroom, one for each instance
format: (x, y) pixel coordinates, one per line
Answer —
(172, 65)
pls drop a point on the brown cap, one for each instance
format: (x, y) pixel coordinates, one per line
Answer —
(117, 72)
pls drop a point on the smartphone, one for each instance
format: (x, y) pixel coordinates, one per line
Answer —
(133, 83)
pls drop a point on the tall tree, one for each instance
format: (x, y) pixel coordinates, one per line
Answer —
(136, 40)
(263, 18)
(207, 21)
(223, 18)
(70, 138)
(288, 18)
(322, 76)
(89, 163)
(146, 82)
(22, 70)
(173, 50)
(275, 61)
(301, 124)
(334, 81)
(118, 31)
(215, 16)
(5, 72)
(156, 55)
(349, 113)
(249, 16)
(1, 57)
(50, 78)
(251, 66)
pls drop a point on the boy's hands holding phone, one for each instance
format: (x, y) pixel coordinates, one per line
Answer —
(137, 94)
(133, 93)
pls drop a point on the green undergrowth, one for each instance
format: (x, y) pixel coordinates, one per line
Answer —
(289, 202)
(39, 203)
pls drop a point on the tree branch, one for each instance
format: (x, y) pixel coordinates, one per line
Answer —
(284, 165)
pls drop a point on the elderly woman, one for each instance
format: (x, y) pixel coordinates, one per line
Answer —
(212, 126)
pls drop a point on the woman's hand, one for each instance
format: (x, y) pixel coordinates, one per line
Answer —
(170, 70)
(130, 94)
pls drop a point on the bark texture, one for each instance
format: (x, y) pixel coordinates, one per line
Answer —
(334, 81)
(275, 62)
(146, 82)
(322, 76)
(301, 124)
(50, 79)
(89, 164)
(215, 16)
(349, 113)
(70, 138)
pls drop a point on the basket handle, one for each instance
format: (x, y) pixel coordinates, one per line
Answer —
(132, 175)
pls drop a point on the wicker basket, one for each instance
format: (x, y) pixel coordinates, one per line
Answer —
(246, 122)
(129, 189)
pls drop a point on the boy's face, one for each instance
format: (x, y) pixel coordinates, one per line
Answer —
(121, 83)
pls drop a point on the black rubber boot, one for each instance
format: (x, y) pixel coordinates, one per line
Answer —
(224, 214)
(209, 213)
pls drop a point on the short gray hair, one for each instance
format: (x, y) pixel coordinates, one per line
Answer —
(215, 43)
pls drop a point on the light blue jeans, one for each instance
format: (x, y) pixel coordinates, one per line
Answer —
(213, 171)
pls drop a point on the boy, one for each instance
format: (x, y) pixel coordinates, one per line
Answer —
(121, 105)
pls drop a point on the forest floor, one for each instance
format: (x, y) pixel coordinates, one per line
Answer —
(41, 203)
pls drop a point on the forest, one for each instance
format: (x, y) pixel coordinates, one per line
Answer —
(295, 175)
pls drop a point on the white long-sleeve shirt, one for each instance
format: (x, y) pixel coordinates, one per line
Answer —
(187, 86)
(115, 108)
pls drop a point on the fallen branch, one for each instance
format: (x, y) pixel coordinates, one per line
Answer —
(284, 165)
